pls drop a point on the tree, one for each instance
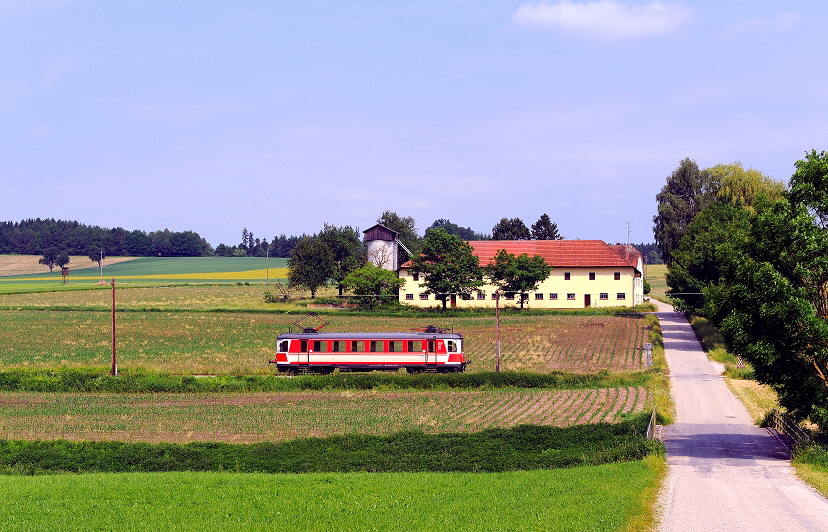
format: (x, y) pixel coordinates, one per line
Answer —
(49, 257)
(695, 262)
(544, 229)
(510, 229)
(373, 284)
(520, 274)
(406, 229)
(448, 265)
(687, 192)
(309, 265)
(745, 187)
(770, 300)
(346, 245)
(95, 254)
(62, 259)
(466, 233)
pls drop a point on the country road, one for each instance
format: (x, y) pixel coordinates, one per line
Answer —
(725, 473)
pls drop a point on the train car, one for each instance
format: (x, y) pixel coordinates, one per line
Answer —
(428, 349)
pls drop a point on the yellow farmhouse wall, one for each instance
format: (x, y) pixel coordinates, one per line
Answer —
(555, 292)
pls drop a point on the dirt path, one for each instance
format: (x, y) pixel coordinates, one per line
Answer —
(725, 473)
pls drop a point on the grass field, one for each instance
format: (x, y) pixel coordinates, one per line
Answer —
(655, 274)
(240, 343)
(596, 498)
(284, 416)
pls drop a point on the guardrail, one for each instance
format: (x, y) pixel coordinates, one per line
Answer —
(651, 427)
(780, 422)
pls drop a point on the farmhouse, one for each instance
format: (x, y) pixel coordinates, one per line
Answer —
(586, 273)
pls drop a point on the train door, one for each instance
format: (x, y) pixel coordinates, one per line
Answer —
(431, 352)
(304, 352)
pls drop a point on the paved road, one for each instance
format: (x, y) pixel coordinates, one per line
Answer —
(725, 473)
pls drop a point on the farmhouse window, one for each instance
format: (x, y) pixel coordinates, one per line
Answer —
(617, 276)
(481, 295)
(604, 295)
(376, 346)
(570, 296)
(409, 296)
(494, 296)
(591, 276)
(538, 296)
(510, 295)
(621, 295)
(416, 276)
(566, 276)
(423, 296)
(553, 296)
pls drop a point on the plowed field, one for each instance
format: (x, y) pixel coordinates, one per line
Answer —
(285, 416)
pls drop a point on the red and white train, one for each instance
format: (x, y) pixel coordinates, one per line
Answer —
(428, 349)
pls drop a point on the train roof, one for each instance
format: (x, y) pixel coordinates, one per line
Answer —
(410, 335)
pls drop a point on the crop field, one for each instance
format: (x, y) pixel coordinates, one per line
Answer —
(17, 268)
(596, 498)
(241, 343)
(263, 417)
(658, 283)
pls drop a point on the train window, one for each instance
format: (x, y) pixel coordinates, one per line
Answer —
(411, 348)
(431, 346)
(357, 346)
(394, 347)
(303, 345)
(376, 346)
(320, 346)
(451, 346)
(283, 346)
(338, 346)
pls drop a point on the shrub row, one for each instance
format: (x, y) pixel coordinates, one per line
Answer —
(519, 448)
(98, 380)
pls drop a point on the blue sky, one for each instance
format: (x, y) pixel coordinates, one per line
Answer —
(282, 116)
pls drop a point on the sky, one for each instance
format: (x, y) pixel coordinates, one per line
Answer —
(282, 116)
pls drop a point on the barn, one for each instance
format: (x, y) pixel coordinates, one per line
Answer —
(586, 273)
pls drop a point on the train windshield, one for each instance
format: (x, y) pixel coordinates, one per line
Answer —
(452, 346)
(283, 346)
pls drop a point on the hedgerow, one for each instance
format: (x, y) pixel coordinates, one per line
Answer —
(98, 380)
(520, 448)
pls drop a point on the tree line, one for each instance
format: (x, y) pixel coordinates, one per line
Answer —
(46, 236)
(750, 254)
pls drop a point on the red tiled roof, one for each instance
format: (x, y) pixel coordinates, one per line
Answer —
(559, 253)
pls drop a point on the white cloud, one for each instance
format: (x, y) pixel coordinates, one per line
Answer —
(605, 18)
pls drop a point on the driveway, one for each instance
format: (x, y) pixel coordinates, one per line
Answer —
(725, 473)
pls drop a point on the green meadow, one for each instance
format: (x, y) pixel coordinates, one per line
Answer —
(606, 497)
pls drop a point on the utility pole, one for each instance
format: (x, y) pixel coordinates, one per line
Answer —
(114, 360)
(497, 330)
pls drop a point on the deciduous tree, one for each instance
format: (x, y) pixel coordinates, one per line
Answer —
(49, 257)
(449, 266)
(346, 247)
(517, 274)
(373, 285)
(309, 265)
(687, 192)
